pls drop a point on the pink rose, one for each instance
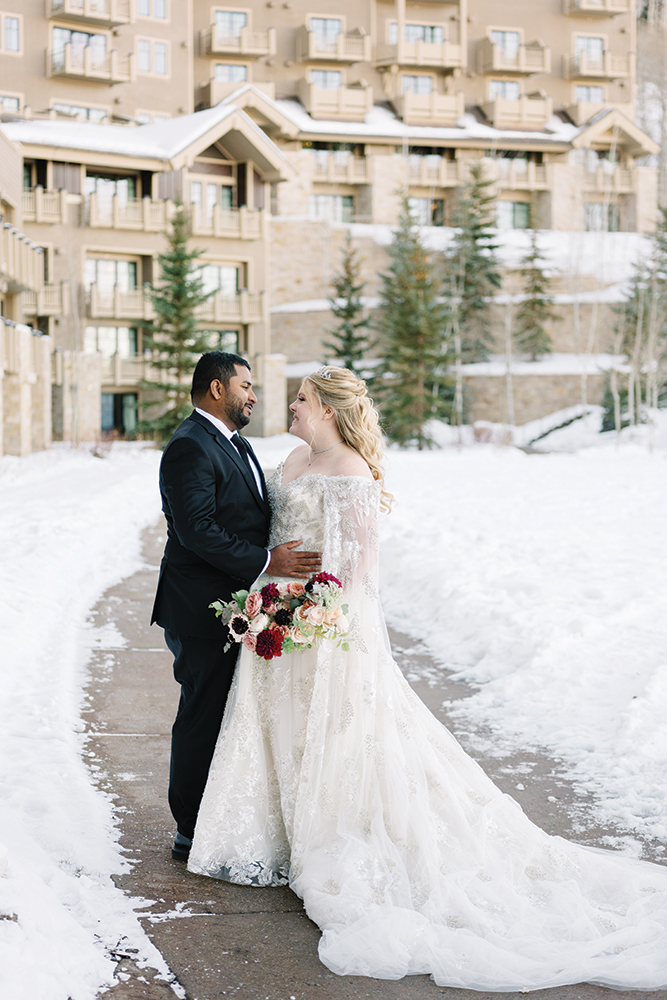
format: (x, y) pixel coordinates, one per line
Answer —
(253, 603)
(283, 589)
(250, 641)
(297, 637)
(296, 589)
(258, 624)
(342, 625)
(316, 615)
(331, 617)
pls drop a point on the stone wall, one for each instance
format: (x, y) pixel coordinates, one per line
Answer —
(534, 396)
(25, 390)
(77, 399)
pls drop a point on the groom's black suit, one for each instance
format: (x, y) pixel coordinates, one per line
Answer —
(217, 530)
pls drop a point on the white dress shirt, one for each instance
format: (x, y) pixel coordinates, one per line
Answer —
(225, 431)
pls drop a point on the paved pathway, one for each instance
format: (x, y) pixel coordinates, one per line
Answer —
(239, 942)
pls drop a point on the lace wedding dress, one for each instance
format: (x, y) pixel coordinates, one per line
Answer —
(331, 775)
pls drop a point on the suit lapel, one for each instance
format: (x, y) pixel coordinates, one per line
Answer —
(231, 452)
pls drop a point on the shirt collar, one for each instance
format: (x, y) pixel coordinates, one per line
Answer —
(217, 423)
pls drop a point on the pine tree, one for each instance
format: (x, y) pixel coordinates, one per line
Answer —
(472, 267)
(350, 339)
(537, 308)
(174, 337)
(413, 384)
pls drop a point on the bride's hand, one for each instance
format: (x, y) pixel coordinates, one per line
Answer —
(286, 561)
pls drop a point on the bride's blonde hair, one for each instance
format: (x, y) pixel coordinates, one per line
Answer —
(356, 417)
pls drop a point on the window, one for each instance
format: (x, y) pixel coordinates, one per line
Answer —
(159, 9)
(230, 23)
(119, 412)
(78, 41)
(332, 207)
(108, 275)
(427, 211)
(417, 84)
(222, 278)
(11, 38)
(509, 90)
(9, 103)
(591, 48)
(596, 220)
(593, 94)
(230, 73)
(326, 79)
(152, 57)
(80, 112)
(508, 42)
(431, 33)
(144, 8)
(326, 31)
(105, 188)
(109, 340)
(209, 195)
(513, 215)
(224, 340)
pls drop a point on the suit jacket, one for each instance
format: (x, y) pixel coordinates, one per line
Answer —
(217, 528)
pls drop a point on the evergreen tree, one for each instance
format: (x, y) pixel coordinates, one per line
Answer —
(472, 267)
(413, 384)
(537, 308)
(174, 337)
(350, 340)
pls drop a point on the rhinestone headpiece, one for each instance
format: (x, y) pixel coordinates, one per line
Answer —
(323, 372)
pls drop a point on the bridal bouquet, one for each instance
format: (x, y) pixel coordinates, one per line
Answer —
(283, 617)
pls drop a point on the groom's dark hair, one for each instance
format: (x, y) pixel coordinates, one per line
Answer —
(214, 365)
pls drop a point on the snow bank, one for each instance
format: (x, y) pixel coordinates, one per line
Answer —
(70, 527)
(540, 580)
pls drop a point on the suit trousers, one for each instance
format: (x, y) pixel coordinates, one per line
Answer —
(205, 674)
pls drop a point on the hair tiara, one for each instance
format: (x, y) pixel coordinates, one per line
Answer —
(323, 372)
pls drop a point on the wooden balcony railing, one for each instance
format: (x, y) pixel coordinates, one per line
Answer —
(445, 55)
(244, 307)
(214, 42)
(352, 47)
(613, 180)
(426, 172)
(608, 67)
(141, 214)
(49, 207)
(86, 63)
(503, 112)
(349, 103)
(518, 174)
(119, 371)
(113, 303)
(531, 58)
(103, 13)
(334, 169)
(601, 8)
(431, 108)
(50, 300)
(229, 223)
(21, 261)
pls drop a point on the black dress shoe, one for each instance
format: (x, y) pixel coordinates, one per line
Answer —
(181, 849)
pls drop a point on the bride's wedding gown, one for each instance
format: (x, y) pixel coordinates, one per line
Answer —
(331, 775)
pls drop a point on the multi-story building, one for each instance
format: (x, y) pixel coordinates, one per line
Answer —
(358, 107)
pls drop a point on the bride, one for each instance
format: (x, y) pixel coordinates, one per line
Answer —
(330, 775)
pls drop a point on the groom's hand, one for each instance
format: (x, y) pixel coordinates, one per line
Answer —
(286, 561)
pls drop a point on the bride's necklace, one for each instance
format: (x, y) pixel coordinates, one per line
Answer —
(321, 451)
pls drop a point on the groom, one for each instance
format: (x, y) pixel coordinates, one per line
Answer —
(214, 500)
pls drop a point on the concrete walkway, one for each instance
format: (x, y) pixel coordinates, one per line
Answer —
(239, 942)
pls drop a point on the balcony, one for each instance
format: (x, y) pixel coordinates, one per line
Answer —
(49, 207)
(419, 109)
(445, 55)
(611, 179)
(527, 111)
(87, 64)
(140, 214)
(337, 169)
(117, 370)
(582, 111)
(21, 261)
(99, 13)
(526, 59)
(244, 307)
(430, 173)
(518, 174)
(599, 8)
(348, 103)
(251, 44)
(50, 300)
(113, 303)
(353, 47)
(609, 67)
(214, 91)
(229, 223)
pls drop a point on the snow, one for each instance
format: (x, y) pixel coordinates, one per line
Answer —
(539, 579)
(69, 529)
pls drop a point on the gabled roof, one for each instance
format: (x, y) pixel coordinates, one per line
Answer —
(173, 142)
(267, 112)
(611, 127)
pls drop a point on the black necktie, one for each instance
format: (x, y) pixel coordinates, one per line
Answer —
(240, 446)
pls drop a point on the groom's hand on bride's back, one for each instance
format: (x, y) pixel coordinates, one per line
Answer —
(286, 560)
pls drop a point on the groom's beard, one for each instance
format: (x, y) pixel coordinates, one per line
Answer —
(236, 414)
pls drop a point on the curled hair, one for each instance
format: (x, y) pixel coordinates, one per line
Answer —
(356, 417)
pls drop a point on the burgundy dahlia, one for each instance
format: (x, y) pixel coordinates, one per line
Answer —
(270, 595)
(322, 578)
(265, 644)
(283, 617)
